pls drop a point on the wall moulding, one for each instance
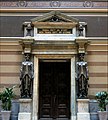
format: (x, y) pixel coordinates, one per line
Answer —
(31, 10)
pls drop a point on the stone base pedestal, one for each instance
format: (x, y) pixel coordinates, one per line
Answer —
(73, 117)
(83, 116)
(24, 116)
(25, 109)
(83, 109)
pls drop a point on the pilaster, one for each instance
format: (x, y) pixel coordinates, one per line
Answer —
(35, 91)
(73, 90)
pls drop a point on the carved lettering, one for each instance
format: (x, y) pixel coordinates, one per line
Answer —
(54, 31)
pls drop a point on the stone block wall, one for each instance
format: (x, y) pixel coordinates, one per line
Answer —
(97, 65)
(10, 62)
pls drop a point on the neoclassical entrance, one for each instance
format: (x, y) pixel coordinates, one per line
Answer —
(53, 42)
(54, 96)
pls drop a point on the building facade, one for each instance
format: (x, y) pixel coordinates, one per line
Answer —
(54, 34)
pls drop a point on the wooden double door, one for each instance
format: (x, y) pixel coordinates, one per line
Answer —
(54, 90)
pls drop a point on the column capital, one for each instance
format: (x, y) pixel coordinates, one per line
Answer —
(26, 44)
(82, 43)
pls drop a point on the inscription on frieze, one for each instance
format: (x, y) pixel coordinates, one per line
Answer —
(54, 31)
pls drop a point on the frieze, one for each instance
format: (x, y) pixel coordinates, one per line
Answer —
(53, 4)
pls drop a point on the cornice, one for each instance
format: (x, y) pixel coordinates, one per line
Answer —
(13, 39)
(48, 10)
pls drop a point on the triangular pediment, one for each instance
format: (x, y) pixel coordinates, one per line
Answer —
(55, 16)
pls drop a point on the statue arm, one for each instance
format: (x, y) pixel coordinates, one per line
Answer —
(32, 71)
(77, 71)
(21, 72)
(87, 72)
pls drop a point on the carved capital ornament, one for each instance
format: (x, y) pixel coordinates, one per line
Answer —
(26, 43)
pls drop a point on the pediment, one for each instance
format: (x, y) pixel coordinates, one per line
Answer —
(54, 18)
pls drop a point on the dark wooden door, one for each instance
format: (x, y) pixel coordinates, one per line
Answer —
(54, 90)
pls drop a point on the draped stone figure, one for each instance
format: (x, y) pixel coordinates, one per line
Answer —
(82, 77)
(29, 30)
(26, 77)
(81, 30)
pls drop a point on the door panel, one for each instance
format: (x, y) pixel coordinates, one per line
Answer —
(54, 90)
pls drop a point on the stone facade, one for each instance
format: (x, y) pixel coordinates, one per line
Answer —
(57, 45)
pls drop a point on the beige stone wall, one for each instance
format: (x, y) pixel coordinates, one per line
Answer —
(11, 57)
(97, 58)
(10, 61)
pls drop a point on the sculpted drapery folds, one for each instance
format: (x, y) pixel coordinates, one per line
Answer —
(82, 77)
(26, 77)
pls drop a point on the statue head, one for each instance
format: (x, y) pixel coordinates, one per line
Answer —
(81, 56)
(27, 56)
(29, 26)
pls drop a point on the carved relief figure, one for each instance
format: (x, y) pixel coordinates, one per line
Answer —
(82, 77)
(26, 77)
(29, 30)
(81, 30)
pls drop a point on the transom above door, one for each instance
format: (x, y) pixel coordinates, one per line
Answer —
(54, 90)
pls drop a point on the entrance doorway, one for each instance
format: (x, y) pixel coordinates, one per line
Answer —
(54, 89)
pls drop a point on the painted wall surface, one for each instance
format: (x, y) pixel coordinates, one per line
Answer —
(10, 60)
(96, 25)
(97, 58)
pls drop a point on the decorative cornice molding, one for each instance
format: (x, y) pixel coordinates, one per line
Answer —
(13, 39)
(31, 10)
(44, 5)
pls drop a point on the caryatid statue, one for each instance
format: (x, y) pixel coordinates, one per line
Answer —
(26, 77)
(82, 77)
